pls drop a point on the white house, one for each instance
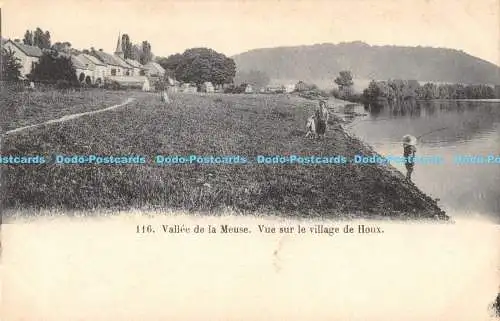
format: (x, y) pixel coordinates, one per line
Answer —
(289, 88)
(99, 68)
(248, 89)
(137, 68)
(188, 88)
(126, 68)
(113, 66)
(27, 55)
(207, 87)
(84, 71)
(154, 69)
(129, 81)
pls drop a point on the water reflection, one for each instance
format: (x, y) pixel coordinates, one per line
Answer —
(467, 128)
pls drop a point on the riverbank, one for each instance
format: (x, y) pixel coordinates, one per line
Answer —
(246, 125)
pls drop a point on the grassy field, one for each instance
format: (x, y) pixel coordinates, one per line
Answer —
(246, 125)
(25, 108)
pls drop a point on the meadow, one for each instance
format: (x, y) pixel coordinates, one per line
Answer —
(216, 124)
(29, 107)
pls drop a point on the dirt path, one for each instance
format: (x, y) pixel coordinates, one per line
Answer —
(69, 117)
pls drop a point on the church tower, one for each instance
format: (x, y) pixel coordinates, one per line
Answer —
(119, 51)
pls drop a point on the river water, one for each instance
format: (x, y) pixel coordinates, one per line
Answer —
(449, 129)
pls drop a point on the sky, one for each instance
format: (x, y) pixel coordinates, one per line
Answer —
(235, 26)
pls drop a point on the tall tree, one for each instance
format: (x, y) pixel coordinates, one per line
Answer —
(136, 52)
(46, 40)
(11, 66)
(28, 38)
(127, 47)
(344, 82)
(38, 38)
(41, 39)
(146, 55)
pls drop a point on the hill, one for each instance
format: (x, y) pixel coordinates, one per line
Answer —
(324, 61)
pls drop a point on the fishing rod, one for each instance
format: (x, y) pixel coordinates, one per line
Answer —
(432, 131)
(354, 123)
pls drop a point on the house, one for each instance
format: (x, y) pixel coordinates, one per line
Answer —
(84, 71)
(138, 82)
(154, 69)
(248, 89)
(302, 86)
(99, 68)
(137, 68)
(289, 88)
(28, 55)
(188, 88)
(126, 68)
(113, 67)
(172, 89)
(275, 89)
(207, 87)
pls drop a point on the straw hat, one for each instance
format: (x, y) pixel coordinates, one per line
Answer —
(409, 140)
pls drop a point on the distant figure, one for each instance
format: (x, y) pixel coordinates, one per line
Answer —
(145, 85)
(409, 151)
(316, 125)
(324, 111)
(32, 85)
(164, 97)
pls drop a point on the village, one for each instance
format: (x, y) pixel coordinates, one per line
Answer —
(99, 68)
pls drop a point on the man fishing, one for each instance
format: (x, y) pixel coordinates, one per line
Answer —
(409, 151)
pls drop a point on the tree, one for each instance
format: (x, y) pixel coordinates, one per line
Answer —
(62, 46)
(28, 38)
(372, 93)
(171, 63)
(199, 65)
(46, 39)
(53, 67)
(127, 47)
(344, 82)
(11, 66)
(146, 55)
(41, 39)
(136, 52)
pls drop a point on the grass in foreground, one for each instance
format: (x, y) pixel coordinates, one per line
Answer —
(206, 125)
(32, 107)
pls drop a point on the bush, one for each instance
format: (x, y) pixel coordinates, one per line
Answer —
(229, 90)
(160, 85)
(113, 85)
(355, 98)
(63, 84)
(335, 93)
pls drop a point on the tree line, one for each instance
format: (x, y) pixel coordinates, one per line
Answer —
(397, 91)
(40, 38)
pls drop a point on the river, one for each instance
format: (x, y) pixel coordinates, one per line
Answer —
(450, 128)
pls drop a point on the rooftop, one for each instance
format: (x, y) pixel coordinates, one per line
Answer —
(31, 51)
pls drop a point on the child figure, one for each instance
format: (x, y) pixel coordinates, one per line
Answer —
(409, 151)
